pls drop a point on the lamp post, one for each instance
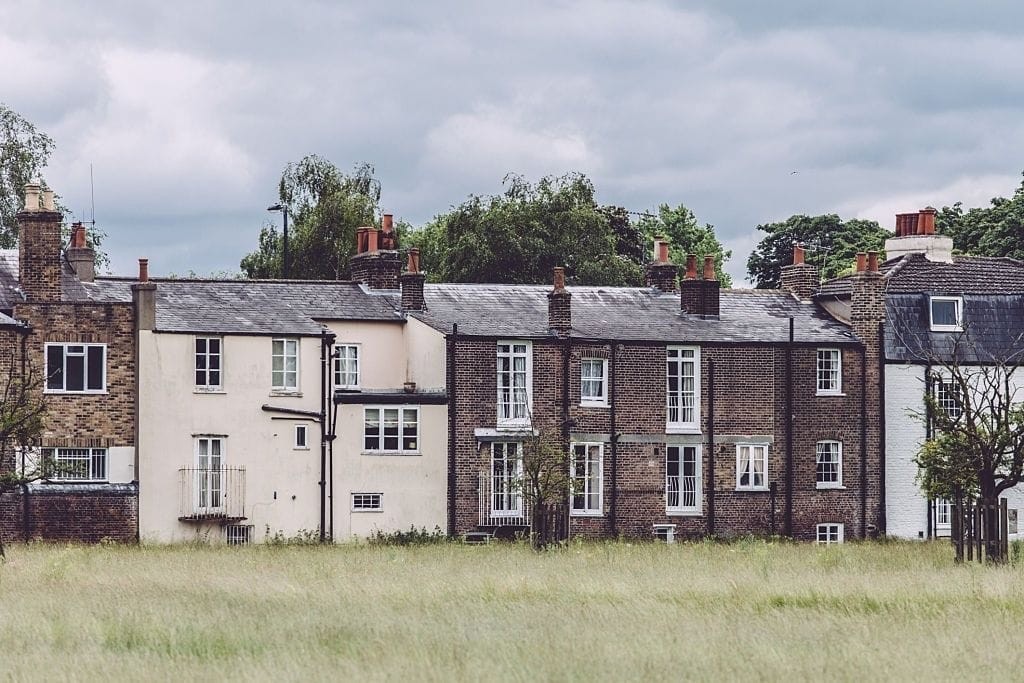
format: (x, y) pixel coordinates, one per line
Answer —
(284, 261)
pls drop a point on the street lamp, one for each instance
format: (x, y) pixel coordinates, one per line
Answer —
(284, 209)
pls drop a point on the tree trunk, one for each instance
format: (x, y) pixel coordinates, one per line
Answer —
(990, 520)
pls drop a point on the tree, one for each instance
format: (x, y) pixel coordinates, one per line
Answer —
(832, 242)
(24, 152)
(545, 484)
(22, 409)
(977, 421)
(996, 230)
(686, 236)
(325, 208)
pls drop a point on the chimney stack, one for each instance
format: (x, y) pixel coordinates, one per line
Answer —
(660, 273)
(915, 234)
(412, 283)
(39, 246)
(700, 297)
(376, 262)
(559, 305)
(81, 257)
(144, 298)
(800, 279)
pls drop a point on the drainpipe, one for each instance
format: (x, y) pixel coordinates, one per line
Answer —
(928, 436)
(863, 443)
(326, 342)
(788, 530)
(615, 441)
(26, 509)
(711, 448)
(452, 394)
(881, 429)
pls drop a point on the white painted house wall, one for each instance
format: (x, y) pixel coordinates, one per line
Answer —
(906, 507)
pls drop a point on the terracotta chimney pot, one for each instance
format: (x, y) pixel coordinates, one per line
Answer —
(926, 221)
(709, 267)
(412, 264)
(691, 266)
(862, 259)
(559, 278)
(387, 222)
(872, 261)
(798, 255)
(372, 237)
(143, 270)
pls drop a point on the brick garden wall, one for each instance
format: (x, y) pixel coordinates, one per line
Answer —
(72, 513)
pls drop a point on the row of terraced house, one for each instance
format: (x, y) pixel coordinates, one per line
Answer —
(239, 410)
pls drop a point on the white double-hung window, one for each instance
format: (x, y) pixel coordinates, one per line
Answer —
(284, 364)
(593, 382)
(515, 383)
(506, 494)
(829, 464)
(830, 371)
(587, 478)
(208, 363)
(76, 368)
(346, 366)
(389, 429)
(682, 389)
(682, 480)
(208, 490)
(751, 467)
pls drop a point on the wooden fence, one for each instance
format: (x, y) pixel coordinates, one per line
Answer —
(550, 524)
(979, 530)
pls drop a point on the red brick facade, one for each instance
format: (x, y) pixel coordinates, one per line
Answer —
(750, 384)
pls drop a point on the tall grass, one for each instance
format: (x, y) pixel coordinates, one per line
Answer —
(612, 611)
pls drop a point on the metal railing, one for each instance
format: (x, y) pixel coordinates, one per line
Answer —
(500, 502)
(211, 493)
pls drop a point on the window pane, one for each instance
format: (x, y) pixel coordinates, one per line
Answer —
(75, 380)
(944, 313)
(55, 367)
(96, 356)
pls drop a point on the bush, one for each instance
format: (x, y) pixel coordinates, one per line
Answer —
(413, 536)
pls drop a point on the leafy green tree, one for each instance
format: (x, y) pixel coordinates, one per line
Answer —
(686, 236)
(24, 152)
(995, 230)
(325, 208)
(833, 244)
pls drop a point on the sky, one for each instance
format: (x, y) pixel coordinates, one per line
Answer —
(746, 112)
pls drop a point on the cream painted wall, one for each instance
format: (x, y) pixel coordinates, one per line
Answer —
(282, 491)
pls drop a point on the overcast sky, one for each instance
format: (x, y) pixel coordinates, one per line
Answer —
(188, 111)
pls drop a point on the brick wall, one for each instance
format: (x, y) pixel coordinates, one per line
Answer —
(71, 513)
(750, 391)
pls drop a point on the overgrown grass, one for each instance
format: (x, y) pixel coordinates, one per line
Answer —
(614, 611)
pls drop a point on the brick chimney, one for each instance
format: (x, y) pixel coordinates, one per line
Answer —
(660, 273)
(144, 298)
(80, 255)
(915, 234)
(376, 262)
(412, 283)
(560, 305)
(800, 279)
(700, 297)
(39, 246)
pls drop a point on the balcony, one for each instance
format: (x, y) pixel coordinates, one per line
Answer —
(500, 502)
(215, 494)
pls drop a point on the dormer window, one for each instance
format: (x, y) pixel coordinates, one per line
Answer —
(947, 314)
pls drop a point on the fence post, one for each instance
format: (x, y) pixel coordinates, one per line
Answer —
(979, 530)
(956, 531)
(1004, 540)
(970, 530)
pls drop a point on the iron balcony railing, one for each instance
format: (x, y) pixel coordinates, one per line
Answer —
(500, 501)
(211, 493)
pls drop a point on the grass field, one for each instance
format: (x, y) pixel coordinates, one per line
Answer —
(612, 611)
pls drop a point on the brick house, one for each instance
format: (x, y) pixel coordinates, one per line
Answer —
(687, 410)
(81, 346)
(936, 304)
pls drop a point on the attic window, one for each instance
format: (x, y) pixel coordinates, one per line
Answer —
(947, 314)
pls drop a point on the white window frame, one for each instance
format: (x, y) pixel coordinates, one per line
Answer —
(357, 355)
(206, 356)
(943, 511)
(824, 533)
(958, 326)
(208, 492)
(506, 486)
(762, 448)
(403, 423)
(64, 461)
(362, 501)
(47, 389)
(512, 420)
(682, 426)
(600, 400)
(303, 444)
(680, 510)
(836, 390)
(946, 393)
(283, 387)
(838, 484)
(586, 478)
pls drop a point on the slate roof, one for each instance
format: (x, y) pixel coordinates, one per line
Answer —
(627, 313)
(993, 330)
(8, 279)
(8, 321)
(965, 275)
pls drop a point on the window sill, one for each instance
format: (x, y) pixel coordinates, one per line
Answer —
(946, 328)
(749, 489)
(343, 387)
(830, 487)
(682, 429)
(513, 426)
(581, 513)
(378, 510)
(593, 404)
(61, 392)
(683, 513)
(400, 454)
(286, 392)
(829, 393)
(300, 448)
(201, 390)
